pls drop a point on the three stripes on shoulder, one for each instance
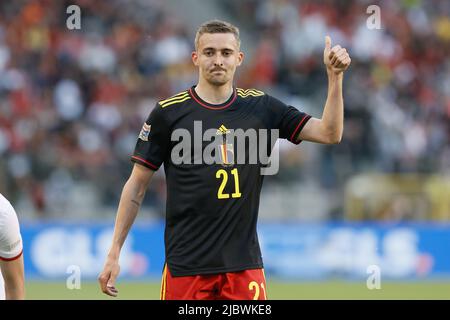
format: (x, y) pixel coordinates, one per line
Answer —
(180, 97)
(183, 96)
(244, 93)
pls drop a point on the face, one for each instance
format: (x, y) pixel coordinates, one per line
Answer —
(217, 57)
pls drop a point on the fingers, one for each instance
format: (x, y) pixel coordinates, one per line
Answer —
(336, 58)
(339, 55)
(334, 51)
(340, 58)
(107, 283)
(345, 63)
(103, 280)
(111, 291)
(111, 284)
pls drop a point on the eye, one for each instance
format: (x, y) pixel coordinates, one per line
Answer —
(208, 53)
(226, 53)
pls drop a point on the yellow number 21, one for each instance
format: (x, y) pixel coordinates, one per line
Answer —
(221, 173)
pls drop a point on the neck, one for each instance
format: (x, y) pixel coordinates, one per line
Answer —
(214, 94)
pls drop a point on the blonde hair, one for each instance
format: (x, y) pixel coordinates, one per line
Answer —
(217, 26)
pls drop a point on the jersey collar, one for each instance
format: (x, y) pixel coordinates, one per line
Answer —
(207, 105)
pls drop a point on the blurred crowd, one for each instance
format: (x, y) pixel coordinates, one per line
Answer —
(73, 101)
(396, 92)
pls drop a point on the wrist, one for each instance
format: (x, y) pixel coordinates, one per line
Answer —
(332, 75)
(114, 253)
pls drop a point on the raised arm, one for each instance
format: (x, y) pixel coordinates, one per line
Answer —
(330, 127)
(130, 202)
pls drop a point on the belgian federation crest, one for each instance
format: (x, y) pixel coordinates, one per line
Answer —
(226, 150)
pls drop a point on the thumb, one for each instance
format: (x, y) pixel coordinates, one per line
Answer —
(327, 43)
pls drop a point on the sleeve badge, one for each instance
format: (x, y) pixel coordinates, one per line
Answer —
(143, 135)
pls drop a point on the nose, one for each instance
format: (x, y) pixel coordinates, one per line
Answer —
(218, 60)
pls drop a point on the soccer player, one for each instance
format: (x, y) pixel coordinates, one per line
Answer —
(11, 258)
(211, 243)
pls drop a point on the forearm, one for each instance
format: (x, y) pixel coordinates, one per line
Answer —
(129, 205)
(333, 113)
(15, 291)
(13, 274)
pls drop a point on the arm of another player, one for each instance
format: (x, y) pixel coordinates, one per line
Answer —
(13, 274)
(329, 129)
(130, 201)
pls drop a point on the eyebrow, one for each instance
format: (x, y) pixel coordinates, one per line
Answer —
(222, 49)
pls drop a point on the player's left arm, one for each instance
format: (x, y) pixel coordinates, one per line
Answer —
(13, 274)
(330, 127)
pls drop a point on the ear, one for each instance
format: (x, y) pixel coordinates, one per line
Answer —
(240, 58)
(194, 57)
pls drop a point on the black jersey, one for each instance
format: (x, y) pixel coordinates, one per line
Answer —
(212, 208)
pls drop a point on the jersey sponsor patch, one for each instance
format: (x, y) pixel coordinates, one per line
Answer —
(143, 135)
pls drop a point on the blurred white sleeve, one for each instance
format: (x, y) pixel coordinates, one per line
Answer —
(10, 238)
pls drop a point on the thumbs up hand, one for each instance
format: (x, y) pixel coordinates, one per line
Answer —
(336, 59)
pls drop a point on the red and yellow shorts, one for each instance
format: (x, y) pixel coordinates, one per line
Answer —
(241, 285)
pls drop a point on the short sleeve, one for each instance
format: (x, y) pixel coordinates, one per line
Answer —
(289, 120)
(153, 141)
(10, 238)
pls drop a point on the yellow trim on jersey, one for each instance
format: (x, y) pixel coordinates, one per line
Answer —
(249, 92)
(178, 95)
(163, 284)
(175, 101)
(249, 95)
